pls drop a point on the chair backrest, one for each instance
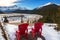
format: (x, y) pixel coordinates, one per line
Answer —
(38, 26)
(22, 27)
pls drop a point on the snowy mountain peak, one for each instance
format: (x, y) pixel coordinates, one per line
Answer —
(49, 3)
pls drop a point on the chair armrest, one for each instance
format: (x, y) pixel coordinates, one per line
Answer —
(40, 29)
(17, 32)
(26, 31)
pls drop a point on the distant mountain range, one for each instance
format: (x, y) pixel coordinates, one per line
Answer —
(39, 10)
(13, 9)
(50, 12)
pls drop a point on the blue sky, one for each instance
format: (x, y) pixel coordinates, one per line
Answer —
(31, 4)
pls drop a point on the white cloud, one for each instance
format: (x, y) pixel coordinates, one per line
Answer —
(7, 2)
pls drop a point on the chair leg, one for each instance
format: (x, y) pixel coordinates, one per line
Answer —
(26, 36)
(39, 34)
(33, 33)
(18, 35)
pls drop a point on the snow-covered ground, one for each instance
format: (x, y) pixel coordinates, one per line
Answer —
(48, 32)
(11, 30)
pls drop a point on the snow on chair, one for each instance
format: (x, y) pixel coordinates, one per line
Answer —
(37, 29)
(22, 30)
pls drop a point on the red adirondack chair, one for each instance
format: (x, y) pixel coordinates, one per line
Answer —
(37, 29)
(22, 30)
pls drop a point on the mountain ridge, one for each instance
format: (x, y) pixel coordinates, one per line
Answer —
(46, 4)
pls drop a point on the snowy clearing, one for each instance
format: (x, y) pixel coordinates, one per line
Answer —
(48, 32)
